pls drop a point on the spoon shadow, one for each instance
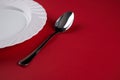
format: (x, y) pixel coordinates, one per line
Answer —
(75, 28)
(51, 22)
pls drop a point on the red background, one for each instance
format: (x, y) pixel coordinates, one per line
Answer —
(89, 50)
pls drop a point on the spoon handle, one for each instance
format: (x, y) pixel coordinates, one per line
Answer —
(25, 61)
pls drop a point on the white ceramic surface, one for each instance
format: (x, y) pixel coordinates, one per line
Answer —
(20, 20)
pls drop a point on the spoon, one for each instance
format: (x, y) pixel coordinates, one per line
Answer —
(63, 23)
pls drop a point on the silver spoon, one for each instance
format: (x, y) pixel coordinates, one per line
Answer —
(63, 23)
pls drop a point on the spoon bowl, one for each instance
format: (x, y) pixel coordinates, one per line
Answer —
(64, 22)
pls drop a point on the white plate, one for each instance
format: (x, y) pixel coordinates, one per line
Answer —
(20, 20)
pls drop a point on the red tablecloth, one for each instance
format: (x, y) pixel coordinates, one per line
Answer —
(89, 50)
